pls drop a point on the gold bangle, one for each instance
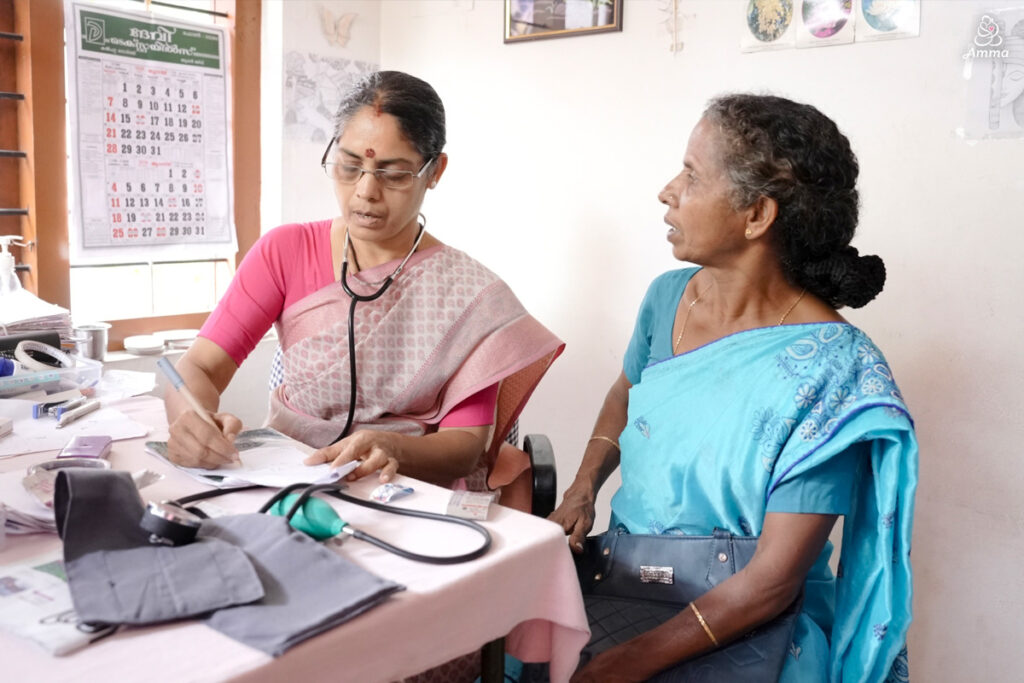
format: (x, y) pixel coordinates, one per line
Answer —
(605, 438)
(703, 624)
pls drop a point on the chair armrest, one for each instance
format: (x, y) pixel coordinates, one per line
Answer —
(545, 479)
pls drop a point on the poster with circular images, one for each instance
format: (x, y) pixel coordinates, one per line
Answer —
(825, 22)
(770, 25)
(884, 19)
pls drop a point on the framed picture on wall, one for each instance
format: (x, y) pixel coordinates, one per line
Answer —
(536, 19)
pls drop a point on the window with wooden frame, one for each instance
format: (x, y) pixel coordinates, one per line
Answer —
(32, 63)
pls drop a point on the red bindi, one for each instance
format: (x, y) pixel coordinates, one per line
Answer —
(370, 153)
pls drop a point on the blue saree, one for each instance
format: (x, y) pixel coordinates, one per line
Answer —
(794, 418)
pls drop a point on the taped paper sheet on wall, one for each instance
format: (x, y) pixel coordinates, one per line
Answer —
(993, 65)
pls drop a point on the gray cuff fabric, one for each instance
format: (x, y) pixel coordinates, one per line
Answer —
(309, 588)
(117, 577)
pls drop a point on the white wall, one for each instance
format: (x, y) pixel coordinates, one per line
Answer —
(297, 39)
(559, 147)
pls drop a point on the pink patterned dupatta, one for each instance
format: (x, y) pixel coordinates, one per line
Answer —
(445, 329)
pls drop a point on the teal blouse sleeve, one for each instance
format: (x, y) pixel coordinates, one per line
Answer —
(825, 489)
(652, 333)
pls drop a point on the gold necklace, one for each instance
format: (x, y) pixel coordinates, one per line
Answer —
(790, 309)
(686, 317)
(693, 303)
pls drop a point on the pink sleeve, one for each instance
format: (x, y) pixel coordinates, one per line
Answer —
(283, 266)
(475, 411)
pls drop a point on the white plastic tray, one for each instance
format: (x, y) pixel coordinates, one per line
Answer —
(85, 373)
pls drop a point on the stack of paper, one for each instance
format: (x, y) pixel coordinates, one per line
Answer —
(25, 513)
(23, 311)
(27, 500)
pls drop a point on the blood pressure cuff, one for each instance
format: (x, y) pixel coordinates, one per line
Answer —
(287, 589)
(309, 589)
(117, 576)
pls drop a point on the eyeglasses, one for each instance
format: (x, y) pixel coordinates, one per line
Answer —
(391, 178)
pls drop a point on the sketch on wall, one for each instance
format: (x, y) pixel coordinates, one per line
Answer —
(673, 24)
(313, 86)
(994, 67)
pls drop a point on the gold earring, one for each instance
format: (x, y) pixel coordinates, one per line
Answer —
(749, 233)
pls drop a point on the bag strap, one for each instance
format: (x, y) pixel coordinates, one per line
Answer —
(722, 558)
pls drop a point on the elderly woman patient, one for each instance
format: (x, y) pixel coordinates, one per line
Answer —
(748, 403)
(396, 348)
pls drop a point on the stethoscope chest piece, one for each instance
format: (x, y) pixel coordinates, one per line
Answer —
(169, 524)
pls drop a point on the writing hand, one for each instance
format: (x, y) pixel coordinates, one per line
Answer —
(194, 443)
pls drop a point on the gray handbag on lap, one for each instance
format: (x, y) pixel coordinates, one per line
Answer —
(632, 583)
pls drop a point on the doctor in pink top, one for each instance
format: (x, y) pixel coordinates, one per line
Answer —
(445, 356)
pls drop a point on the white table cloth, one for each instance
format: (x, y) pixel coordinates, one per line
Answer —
(525, 587)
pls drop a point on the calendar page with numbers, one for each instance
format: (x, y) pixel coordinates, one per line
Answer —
(148, 105)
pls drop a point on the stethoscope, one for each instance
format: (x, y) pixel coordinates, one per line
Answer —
(356, 298)
(174, 523)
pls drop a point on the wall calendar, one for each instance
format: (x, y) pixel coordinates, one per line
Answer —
(148, 106)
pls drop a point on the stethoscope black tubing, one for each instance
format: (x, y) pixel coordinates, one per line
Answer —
(351, 327)
(431, 559)
(352, 341)
(333, 490)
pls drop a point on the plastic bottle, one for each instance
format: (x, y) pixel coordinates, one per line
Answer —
(9, 281)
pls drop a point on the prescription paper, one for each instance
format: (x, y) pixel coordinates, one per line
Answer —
(269, 458)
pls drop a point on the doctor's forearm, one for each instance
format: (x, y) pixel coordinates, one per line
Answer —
(442, 457)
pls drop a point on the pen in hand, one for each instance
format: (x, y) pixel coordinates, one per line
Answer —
(179, 386)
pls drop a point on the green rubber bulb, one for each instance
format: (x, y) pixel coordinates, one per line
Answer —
(315, 518)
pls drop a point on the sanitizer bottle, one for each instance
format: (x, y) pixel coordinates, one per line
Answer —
(9, 281)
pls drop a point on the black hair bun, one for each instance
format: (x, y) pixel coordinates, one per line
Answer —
(844, 278)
